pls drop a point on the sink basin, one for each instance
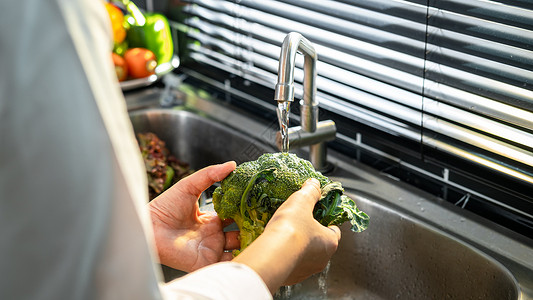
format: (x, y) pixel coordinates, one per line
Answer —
(196, 139)
(415, 247)
(398, 257)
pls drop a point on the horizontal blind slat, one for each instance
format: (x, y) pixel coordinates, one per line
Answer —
(487, 30)
(490, 11)
(473, 82)
(475, 63)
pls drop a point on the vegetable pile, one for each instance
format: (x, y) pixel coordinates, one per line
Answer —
(162, 168)
(142, 41)
(254, 190)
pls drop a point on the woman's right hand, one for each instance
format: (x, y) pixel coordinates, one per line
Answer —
(294, 245)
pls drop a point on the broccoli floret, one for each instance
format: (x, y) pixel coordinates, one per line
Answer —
(254, 190)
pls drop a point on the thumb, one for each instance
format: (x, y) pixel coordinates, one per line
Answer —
(307, 196)
(199, 181)
(336, 230)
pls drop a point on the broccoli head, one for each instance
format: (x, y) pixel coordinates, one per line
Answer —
(254, 190)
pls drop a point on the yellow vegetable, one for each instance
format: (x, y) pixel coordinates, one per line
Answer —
(117, 19)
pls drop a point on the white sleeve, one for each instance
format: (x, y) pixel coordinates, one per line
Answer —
(222, 281)
(71, 176)
(73, 221)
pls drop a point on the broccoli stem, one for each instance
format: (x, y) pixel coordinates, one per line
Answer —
(256, 225)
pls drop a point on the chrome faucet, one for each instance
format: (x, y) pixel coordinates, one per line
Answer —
(311, 132)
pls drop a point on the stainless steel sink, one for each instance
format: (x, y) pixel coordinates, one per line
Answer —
(196, 139)
(399, 257)
(416, 247)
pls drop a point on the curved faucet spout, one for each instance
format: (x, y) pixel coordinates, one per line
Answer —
(294, 43)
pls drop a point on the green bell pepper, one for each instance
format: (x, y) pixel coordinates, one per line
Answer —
(150, 31)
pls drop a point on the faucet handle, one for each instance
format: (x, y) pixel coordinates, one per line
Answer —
(325, 132)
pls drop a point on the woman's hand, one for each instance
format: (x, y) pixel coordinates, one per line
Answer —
(294, 245)
(187, 239)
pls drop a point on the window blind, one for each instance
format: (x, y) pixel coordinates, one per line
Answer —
(455, 76)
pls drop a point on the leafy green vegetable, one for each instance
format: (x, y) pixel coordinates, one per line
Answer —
(162, 168)
(254, 190)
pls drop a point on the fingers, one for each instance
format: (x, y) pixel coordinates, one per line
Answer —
(199, 181)
(232, 240)
(221, 171)
(336, 230)
(307, 196)
(226, 256)
(311, 189)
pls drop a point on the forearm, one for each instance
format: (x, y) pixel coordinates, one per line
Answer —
(275, 264)
(294, 245)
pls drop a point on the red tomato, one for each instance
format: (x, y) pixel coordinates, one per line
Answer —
(120, 67)
(141, 62)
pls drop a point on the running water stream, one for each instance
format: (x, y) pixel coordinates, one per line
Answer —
(314, 288)
(283, 110)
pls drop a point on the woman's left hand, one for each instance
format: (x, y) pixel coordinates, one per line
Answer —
(187, 239)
